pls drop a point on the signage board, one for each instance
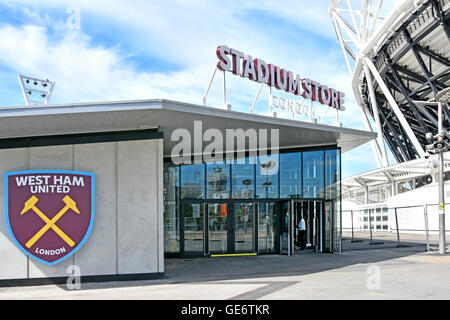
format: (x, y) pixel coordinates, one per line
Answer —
(258, 70)
(49, 213)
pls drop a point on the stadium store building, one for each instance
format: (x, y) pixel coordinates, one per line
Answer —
(135, 206)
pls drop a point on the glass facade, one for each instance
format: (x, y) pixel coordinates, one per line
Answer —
(266, 227)
(332, 192)
(243, 180)
(171, 212)
(243, 190)
(313, 174)
(218, 228)
(193, 181)
(291, 175)
(218, 181)
(243, 226)
(266, 176)
(193, 228)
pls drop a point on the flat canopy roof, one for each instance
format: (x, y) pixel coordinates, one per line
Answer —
(400, 172)
(166, 115)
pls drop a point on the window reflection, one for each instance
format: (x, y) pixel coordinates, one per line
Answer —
(193, 181)
(243, 226)
(193, 228)
(266, 227)
(218, 227)
(267, 178)
(218, 184)
(331, 173)
(290, 175)
(171, 216)
(310, 174)
(313, 174)
(243, 180)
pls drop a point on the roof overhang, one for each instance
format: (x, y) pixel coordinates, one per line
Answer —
(401, 172)
(167, 116)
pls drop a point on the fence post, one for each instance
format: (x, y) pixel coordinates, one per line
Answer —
(427, 233)
(399, 245)
(396, 226)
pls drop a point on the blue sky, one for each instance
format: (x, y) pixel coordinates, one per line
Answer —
(140, 49)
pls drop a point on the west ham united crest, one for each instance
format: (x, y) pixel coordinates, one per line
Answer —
(49, 213)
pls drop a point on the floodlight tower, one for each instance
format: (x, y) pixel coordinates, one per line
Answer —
(36, 91)
(394, 62)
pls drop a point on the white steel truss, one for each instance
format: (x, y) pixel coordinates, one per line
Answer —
(393, 62)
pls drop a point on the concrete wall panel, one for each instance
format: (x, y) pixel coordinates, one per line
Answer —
(14, 263)
(137, 207)
(127, 236)
(98, 254)
(160, 213)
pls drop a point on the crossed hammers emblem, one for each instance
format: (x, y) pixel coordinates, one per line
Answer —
(31, 204)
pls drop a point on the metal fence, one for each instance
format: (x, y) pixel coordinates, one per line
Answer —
(384, 226)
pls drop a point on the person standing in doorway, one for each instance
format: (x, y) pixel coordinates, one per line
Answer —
(302, 233)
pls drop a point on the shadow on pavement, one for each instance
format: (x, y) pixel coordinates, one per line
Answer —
(234, 268)
(206, 269)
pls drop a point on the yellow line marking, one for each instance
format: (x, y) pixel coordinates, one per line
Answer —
(232, 255)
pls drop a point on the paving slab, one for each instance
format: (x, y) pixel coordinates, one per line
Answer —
(384, 273)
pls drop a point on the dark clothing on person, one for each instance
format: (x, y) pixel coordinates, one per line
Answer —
(302, 239)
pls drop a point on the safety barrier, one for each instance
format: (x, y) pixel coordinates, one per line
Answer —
(377, 224)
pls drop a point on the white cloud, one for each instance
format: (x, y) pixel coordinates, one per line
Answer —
(84, 72)
(184, 33)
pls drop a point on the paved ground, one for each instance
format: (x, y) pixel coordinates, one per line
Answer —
(381, 273)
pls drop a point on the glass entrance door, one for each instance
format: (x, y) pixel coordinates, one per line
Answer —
(310, 212)
(266, 227)
(194, 228)
(243, 234)
(318, 225)
(218, 217)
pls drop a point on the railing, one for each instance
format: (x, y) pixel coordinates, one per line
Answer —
(416, 225)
